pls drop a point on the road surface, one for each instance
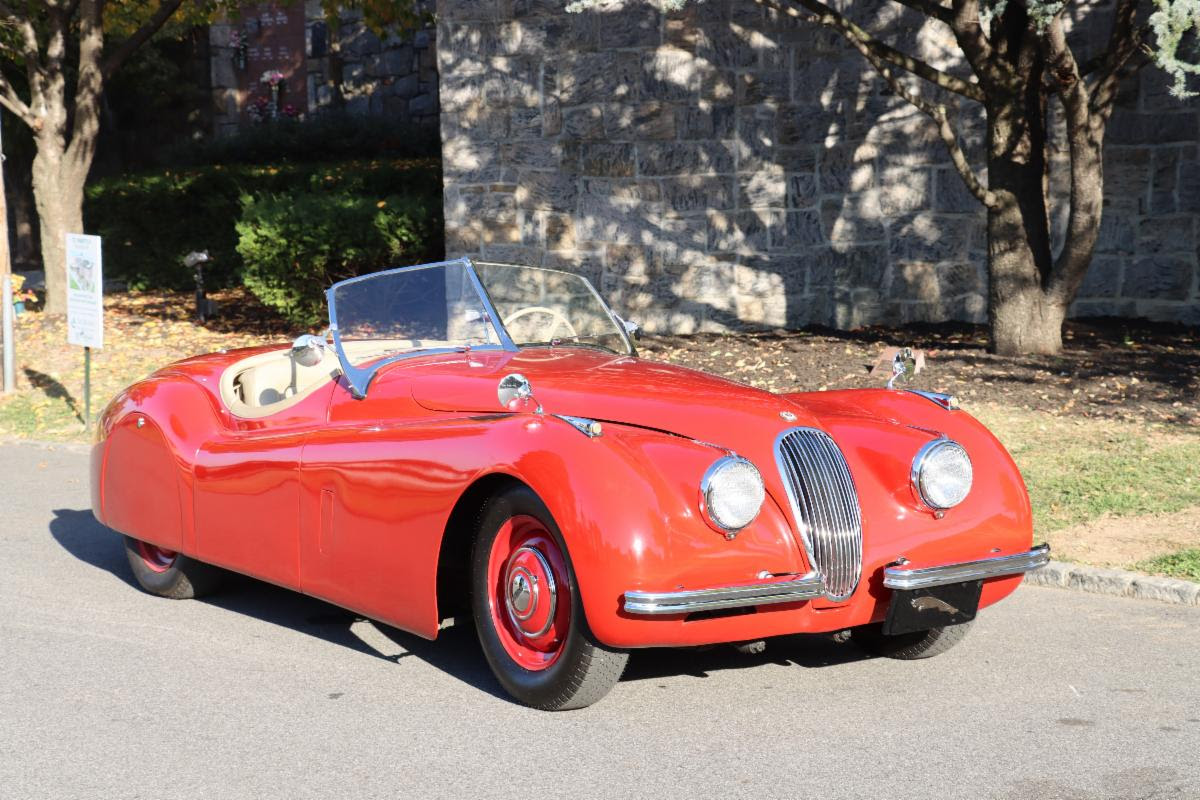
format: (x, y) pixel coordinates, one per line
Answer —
(111, 693)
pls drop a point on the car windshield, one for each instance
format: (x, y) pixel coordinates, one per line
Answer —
(383, 317)
(550, 308)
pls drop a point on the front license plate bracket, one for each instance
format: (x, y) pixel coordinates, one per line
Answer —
(914, 610)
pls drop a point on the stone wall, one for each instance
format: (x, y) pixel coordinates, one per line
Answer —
(723, 167)
(344, 67)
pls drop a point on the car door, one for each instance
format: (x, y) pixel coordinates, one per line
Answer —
(247, 492)
(378, 483)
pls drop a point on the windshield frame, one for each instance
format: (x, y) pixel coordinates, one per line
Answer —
(359, 378)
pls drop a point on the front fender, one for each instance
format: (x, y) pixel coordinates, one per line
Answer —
(627, 503)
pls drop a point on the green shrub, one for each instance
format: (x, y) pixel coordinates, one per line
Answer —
(150, 221)
(295, 246)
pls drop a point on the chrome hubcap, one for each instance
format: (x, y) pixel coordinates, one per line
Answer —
(531, 595)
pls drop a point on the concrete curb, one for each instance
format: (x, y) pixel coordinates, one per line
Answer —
(1116, 582)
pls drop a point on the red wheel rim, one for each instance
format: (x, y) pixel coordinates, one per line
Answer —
(156, 558)
(529, 592)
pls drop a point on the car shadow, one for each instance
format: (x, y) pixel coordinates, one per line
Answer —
(456, 651)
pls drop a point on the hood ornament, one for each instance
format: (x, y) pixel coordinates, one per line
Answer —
(787, 416)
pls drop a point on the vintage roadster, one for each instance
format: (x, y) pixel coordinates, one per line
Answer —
(482, 439)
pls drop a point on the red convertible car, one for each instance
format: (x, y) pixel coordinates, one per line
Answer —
(482, 439)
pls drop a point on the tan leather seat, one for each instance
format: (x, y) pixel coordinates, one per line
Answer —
(268, 383)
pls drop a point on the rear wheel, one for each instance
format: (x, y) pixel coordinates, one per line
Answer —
(167, 573)
(528, 612)
(909, 646)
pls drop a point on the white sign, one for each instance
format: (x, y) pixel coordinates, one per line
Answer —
(85, 291)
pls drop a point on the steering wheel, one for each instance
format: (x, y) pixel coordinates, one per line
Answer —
(559, 318)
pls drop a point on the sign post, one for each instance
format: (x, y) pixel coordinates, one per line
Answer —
(85, 306)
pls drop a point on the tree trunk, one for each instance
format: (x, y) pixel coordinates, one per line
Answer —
(1025, 317)
(58, 193)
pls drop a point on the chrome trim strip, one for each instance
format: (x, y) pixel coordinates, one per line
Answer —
(946, 401)
(924, 577)
(805, 587)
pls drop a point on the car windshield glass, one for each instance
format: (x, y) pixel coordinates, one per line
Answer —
(546, 307)
(432, 307)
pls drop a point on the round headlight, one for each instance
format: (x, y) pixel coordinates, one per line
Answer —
(941, 474)
(731, 494)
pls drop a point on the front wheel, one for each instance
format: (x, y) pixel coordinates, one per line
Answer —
(909, 646)
(169, 574)
(527, 609)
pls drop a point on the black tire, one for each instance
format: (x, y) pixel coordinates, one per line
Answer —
(584, 670)
(184, 579)
(909, 646)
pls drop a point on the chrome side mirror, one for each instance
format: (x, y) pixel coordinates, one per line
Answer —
(513, 387)
(632, 329)
(308, 350)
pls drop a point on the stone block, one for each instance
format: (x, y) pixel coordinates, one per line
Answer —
(1164, 180)
(405, 86)
(762, 86)
(1103, 308)
(957, 278)
(847, 168)
(846, 266)
(1131, 127)
(671, 74)
(1166, 234)
(422, 104)
(915, 280)
(852, 218)
(801, 190)
(1102, 581)
(725, 47)
(741, 230)
(684, 158)
(640, 121)
(799, 159)
(699, 192)
(951, 194)
(766, 188)
(611, 159)
(1127, 178)
(926, 236)
(599, 77)
(635, 25)
(1117, 233)
(1189, 186)
(800, 229)
(583, 122)
(527, 123)
(622, 188)
(1160, 277)
(903, 190)
(1103, 278)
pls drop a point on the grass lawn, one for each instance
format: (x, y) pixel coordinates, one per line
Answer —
(1086, 466)
(1184, 564)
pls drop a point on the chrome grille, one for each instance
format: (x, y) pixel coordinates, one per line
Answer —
(824, 506)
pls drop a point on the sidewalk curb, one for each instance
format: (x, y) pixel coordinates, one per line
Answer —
(1115, 582)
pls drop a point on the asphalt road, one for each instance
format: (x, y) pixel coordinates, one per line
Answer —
(109, 692)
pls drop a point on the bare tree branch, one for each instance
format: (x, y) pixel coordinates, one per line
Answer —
(150, 27)
(31, 52)
(861, 40)
(937, 112)
(993, 72)
(1085, 141)
(1124, 40)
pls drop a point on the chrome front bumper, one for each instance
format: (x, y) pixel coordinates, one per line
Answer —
(810, 586)
(805, 587)
(921, 578)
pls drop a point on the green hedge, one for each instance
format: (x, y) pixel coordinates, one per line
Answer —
(151, 221)
(295, 246)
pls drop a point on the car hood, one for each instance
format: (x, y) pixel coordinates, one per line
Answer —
(609, 388)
